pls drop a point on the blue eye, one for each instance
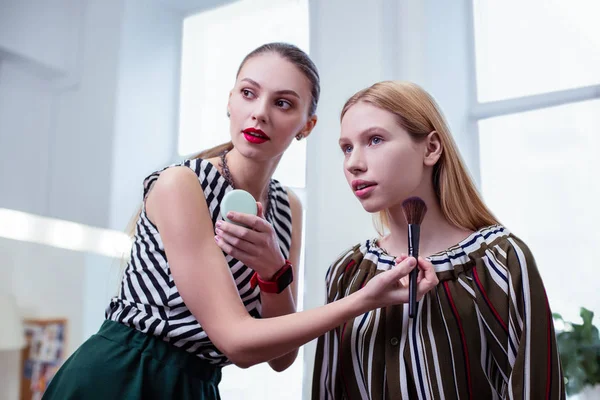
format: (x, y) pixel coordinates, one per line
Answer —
(376, 140)
(346, 149)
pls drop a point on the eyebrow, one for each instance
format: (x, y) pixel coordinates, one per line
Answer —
(279, 92)
(368, 131)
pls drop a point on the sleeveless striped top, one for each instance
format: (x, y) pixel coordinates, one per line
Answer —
(148, 299)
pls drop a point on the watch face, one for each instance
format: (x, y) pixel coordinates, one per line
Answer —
(285, 279)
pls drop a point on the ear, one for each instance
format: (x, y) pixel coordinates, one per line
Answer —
(309, 126)
(434, 149)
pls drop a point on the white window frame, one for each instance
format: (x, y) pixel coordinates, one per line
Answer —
(484, 110)
(479, 111)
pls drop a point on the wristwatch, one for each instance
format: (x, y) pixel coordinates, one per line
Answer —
(278, 283)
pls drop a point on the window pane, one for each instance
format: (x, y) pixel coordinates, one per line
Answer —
(539, 173)
(214, 44)
(535, 46)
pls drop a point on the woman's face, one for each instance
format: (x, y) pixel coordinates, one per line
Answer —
(269, 106)
(382, 163)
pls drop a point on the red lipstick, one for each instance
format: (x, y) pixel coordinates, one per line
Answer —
(255, 135)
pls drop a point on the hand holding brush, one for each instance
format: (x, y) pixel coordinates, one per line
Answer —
(414, 210)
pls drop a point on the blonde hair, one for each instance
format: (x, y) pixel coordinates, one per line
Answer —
(418, 113)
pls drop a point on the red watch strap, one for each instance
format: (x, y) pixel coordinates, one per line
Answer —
(254, 280)
(271, 286)
(267, 286)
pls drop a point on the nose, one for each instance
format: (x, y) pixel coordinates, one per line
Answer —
(355, 163)
(261, 111)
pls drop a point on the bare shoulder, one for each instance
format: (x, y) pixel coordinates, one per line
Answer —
(175, 176)
(177, 189)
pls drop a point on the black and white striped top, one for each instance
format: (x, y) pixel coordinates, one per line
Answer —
(148, 299)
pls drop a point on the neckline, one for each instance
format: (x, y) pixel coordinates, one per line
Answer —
(219, 174)
(467, 239)
(271, 191)
(446, 259)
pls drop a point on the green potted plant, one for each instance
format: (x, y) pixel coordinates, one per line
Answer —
(579, 348)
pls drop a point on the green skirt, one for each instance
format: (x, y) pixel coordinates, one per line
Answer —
(120, 362)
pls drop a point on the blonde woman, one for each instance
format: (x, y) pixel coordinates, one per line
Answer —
(196, 287)
(485, 331)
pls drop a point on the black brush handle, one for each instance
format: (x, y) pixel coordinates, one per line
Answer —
(414, 232)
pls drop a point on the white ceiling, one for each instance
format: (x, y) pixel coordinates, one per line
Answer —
(193, 6)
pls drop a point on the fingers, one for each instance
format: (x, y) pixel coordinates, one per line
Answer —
(261, 210)
(400, 270)
(429, 279)
(420, 275)
(234, 241)
(229, 230)
(428, 270)
(404, 281)
(253, 222)
(231, 250)
(402, 257)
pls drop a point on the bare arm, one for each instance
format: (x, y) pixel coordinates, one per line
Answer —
(274, 305)
(177, 206)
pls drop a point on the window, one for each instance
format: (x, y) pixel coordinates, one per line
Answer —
(539, 175)
(538, 120)
(214, 44)
(535, 46)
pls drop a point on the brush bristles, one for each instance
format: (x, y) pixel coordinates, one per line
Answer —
(414, 210)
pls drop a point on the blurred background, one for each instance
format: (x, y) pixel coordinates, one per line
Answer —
(96, 94)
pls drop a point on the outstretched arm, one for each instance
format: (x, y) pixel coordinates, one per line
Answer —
(274, 305)
(178, 208)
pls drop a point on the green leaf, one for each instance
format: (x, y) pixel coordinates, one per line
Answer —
(586, 316)
(557, 316)
(579, 349)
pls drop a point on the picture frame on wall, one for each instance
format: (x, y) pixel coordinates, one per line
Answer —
(42, 355)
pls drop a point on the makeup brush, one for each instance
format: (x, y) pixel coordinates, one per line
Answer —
(414, 210)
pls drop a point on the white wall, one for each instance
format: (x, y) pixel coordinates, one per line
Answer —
(25, 123)
(84, 128)
(88, 94)
(57, 99)
(87, 105)
(53, 24)
(147, 102)
(9, 374)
